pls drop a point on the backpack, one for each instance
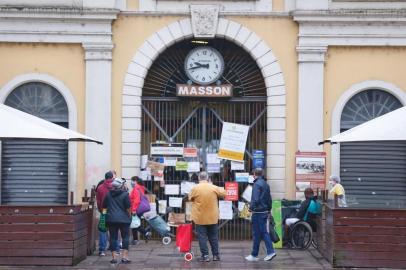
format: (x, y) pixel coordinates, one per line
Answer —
(314, 209)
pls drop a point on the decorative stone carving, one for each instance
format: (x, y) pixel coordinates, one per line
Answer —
(204, 20)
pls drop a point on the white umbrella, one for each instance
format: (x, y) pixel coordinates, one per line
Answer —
(388, 127)
(20, 125)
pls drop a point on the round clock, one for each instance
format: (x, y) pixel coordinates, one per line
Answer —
(204, 65)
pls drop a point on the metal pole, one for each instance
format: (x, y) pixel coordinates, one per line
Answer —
(204, 108)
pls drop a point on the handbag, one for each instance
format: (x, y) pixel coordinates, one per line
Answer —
(135, 222)
(102, 223)
(245, 213)
(271, 230)
(144, 205)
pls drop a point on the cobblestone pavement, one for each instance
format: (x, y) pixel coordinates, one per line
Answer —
(154, 255)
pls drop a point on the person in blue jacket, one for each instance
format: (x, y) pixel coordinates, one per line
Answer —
(260, 206)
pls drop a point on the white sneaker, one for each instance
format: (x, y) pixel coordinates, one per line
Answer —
(251, 258)
(269, 257)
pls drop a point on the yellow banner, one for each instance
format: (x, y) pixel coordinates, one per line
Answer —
(227, 154)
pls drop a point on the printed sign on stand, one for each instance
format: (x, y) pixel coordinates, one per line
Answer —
(233, 141)
(231, 191)
(310, 172)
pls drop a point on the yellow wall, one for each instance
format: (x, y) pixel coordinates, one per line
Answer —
(346, 66)
(63, 62)
(132, 5)
(280, 34)
(278, 5)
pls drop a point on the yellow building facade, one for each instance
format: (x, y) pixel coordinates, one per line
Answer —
(312, 57)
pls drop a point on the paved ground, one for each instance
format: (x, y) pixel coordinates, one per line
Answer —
(154, 255)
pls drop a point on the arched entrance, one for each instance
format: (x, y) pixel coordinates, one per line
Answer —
(267, 64)
(373, 173)
(197, 122)
(36, 172)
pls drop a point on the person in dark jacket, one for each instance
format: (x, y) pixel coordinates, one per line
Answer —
(260, 206)
(301, 215)
(118, 218)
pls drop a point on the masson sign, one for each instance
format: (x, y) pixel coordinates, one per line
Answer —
(186, 90)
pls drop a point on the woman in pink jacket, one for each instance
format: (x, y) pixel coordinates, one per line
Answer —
(135, 198)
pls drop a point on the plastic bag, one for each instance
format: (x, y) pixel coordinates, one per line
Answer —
(245, 213)
(271, 230)
(135, 222)
(102, 223)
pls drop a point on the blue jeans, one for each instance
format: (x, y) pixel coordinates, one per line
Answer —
(210, 232)
(102, 241)
(259, 232)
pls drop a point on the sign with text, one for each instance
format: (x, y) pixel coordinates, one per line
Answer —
(310, 171)
(258, 159)
(233, 141)
(231, 191)
(186, 90)
(189, 152)
(167, 149)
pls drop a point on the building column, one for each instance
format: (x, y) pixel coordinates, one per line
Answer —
(98, 110)
(311, 105)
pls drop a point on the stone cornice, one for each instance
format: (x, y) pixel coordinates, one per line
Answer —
(58, 13)
(351, 15)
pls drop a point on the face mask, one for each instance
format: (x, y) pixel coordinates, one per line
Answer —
(132, 184)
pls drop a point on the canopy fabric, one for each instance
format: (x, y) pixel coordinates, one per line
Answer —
(388, 127)
(16, 124)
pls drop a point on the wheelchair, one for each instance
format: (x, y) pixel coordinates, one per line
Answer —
(302, 234)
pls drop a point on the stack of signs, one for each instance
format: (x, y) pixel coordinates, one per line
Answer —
(231, 191)
(213, 163)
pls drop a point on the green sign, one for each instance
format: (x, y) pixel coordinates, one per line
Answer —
(181, 166)
(277, 216)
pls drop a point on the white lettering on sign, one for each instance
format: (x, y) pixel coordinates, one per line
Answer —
(185, 90)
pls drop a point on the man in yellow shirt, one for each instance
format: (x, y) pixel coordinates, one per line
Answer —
(205, 214)
(338, 189)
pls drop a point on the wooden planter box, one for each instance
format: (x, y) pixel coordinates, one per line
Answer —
(45, 235)
(357, 237)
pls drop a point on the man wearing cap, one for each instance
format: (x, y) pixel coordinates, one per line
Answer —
(338, 190)
(102, 189)
(260, 206)
(205, 214)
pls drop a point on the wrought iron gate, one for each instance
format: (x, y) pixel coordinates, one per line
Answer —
(199, 124)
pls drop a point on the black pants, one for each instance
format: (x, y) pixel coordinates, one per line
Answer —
(124, 229)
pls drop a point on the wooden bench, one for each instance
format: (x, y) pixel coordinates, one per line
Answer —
(45, 235)
(358, 237)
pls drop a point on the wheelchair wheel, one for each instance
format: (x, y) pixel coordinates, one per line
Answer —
(302, 235)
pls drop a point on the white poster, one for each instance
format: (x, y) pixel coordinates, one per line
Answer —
(193, 166)
(213, 167)
(212, 158)
(175, 202)
(247, 193)
(186, 187)
(242, 177)
(145, 175)
(162, 204)
(144, 159)
(240, 206)
(226, 209)
(170, 161)
(233, 141)
(171, 189)
(237, 166)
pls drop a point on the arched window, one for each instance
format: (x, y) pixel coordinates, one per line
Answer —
(372, 172)
(36, 171)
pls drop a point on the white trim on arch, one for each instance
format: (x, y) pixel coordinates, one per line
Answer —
(259, 50)
(70, 101)
(352, 91)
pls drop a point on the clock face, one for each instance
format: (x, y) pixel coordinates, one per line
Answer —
(204, 65)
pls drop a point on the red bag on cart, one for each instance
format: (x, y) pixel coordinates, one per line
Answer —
(184, 237)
